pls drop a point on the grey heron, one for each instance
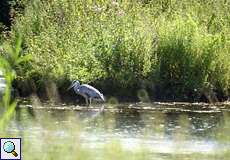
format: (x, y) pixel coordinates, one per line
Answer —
(88, 92)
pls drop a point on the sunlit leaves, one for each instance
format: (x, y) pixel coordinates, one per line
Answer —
(182, 45)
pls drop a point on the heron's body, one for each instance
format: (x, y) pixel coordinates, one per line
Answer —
(88, 92)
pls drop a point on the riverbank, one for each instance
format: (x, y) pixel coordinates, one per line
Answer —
(169, 51)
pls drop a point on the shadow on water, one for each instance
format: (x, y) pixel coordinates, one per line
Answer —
(204, 125)
(129, 122)
(201, 125)
(171, 123)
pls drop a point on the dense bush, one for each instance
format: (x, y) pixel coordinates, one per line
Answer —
(190, 58)
(87, 41)
(180, 48)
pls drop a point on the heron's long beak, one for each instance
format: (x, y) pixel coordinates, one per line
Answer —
(70, 86)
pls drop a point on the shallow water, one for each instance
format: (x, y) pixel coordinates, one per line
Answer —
(160, 129)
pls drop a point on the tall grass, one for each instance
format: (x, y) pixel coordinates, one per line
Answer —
(6, 106)
(10, 60)
(177, 48)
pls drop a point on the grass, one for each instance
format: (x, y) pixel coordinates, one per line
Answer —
(111, 151)
(9, 63)
(174, 50)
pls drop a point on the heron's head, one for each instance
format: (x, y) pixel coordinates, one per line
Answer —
(74, 83)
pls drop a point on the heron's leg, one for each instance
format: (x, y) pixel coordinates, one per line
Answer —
(86, 101)
(90, 100)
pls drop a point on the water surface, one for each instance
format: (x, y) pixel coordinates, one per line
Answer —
(161, 130)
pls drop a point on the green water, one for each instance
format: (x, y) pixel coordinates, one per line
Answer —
(143, 131)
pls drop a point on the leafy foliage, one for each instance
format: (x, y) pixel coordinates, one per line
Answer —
(179, 47)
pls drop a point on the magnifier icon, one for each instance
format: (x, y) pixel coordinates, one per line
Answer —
(9, 147)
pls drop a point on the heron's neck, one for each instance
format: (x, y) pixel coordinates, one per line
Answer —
(76, 87)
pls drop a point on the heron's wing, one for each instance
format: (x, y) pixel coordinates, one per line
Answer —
(91, 91)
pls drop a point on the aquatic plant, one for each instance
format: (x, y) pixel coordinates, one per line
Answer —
(6, 106)
(10, 61)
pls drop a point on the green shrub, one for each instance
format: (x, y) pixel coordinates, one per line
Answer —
(179, 47)
(190, 58)
(85, 41)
